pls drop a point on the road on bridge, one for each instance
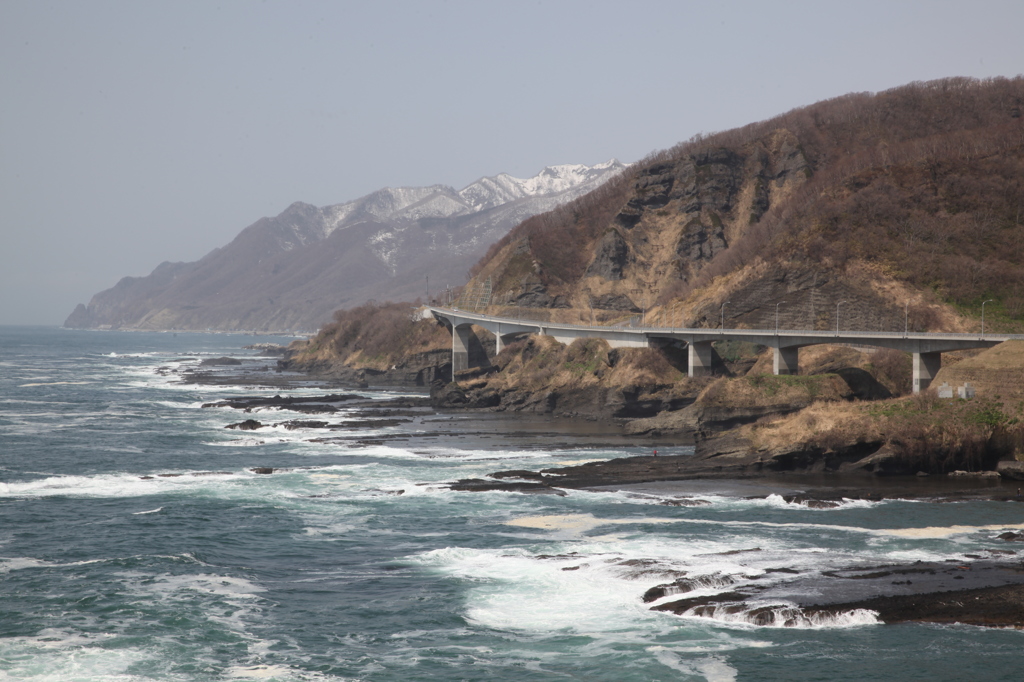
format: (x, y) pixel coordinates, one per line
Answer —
(925, 347)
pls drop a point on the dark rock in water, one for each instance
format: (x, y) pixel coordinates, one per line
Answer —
(262, 470)
(303, 424)
(482, 485)
(659, 591)
(321, 403)
(685, 502)
(681, 606)
(1011, 470)
(1001, 606)
(1010, 536)
(519, 473)
(312, 409)
(810, 503)
(247, 425)
(983, 592)
(216, 362)
(636, 569)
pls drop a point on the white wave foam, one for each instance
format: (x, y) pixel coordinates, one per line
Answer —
(933, 532)
(21, 563)
(262, 671)
(516, 591)
(18, 563)
(58, 655)
(151, 511)
(118, 485)
(577, 524)
(779, 502)
(228, 601)
(244, 442)
(782, 616)
(712, 668)
(54, 383)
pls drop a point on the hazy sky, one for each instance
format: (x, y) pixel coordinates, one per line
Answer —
(137, 132)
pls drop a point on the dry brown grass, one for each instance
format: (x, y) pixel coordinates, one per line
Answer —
(810, 423)
(996, 373)
(926, 433)
(375, 336)
(540, 363)
(768, 389)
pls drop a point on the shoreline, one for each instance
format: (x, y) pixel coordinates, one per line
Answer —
(985, 589)
(674, 472)
(819, 487)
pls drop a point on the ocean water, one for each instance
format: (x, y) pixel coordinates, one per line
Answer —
(355, 563)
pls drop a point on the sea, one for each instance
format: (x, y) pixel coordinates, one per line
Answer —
(137, 543)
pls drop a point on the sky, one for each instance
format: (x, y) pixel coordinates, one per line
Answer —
(133, 133)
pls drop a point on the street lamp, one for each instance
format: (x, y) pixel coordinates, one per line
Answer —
(777, 317)
(983, 315)
(906, 319)
(723, 316)
(837, 316)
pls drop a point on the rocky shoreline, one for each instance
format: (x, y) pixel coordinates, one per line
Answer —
(986, 592)
(989, 591)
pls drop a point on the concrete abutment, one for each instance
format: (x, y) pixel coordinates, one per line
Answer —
(460, 348)
(700, 354)
(785, 361)
(926, 366)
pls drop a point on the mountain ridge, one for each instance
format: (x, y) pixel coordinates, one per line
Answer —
(290, 271)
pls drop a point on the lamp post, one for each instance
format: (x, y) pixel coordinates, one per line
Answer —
(906, 319)
(777, 317)
(723, 315)
(983, 315)
(837, 316)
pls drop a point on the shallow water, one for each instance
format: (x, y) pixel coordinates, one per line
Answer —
(357, 564)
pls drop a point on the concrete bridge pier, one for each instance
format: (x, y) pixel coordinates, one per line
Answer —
(700, 358)
(926, 366)
(785, 361)
(460, 348)
(501, 340)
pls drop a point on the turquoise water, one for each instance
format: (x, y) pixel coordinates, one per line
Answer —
(325, 572)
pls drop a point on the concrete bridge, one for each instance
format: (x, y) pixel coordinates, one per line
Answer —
(925, 347)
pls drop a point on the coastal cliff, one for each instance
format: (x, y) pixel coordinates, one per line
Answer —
(888, 212)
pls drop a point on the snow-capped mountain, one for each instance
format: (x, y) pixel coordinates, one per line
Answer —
(293, 270)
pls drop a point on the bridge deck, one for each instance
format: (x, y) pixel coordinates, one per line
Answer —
(926, 347)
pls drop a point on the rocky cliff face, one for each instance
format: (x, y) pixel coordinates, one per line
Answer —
(291, 271)
(878, 212)
(678, 215)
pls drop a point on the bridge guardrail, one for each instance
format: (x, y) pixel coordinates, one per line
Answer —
(818, 333)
